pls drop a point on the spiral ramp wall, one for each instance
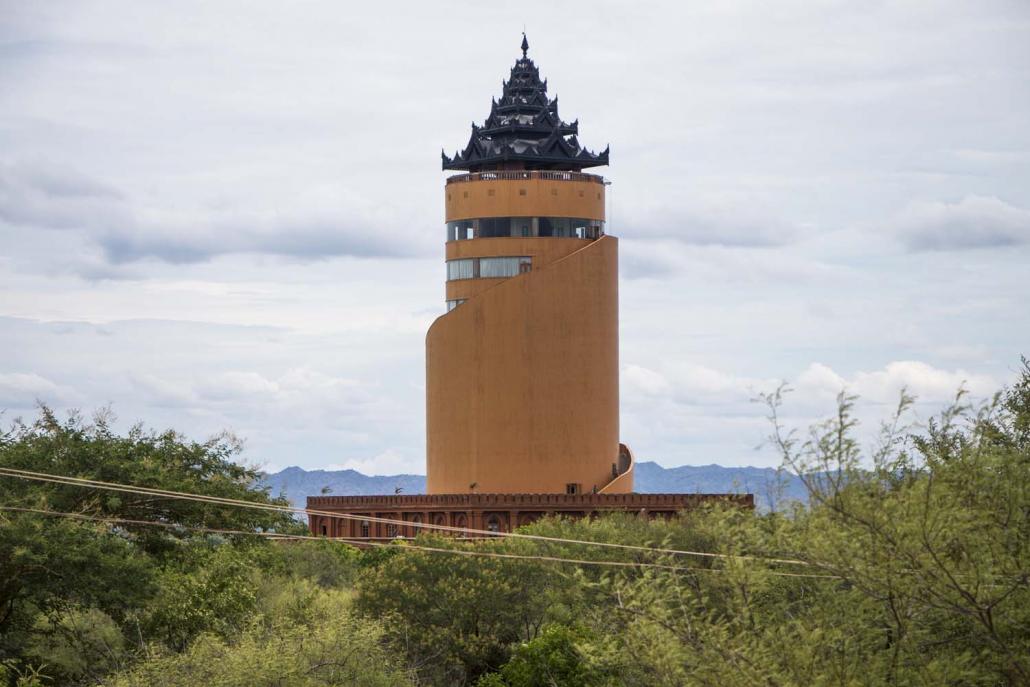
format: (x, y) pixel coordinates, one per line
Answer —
(522, 379)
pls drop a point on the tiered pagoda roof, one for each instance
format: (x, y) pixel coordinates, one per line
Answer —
(524, 127)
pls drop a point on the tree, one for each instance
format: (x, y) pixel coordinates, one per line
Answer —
(457, 616)
(916, 565)
(330, 646)
(54, 570)
(552, 658)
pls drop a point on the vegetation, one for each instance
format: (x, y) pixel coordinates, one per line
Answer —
(910, 566)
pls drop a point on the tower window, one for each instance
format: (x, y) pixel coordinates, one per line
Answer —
(461, 269)
(460, 230)
(494, 268)
(365, 529)
(573, 488)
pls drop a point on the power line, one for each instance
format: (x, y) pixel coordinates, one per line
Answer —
(132, 489)
(404, 546)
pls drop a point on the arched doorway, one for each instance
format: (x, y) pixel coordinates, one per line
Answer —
(493, 523)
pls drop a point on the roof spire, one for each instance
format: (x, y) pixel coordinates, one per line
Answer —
(525, 44)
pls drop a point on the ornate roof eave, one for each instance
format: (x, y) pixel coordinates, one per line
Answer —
(527, 130)
(552, 152)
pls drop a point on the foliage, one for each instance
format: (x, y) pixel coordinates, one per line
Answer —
(925, 549)
(79, 597)
(551, 658)
(81, 644)
(330, 647)
(165, 460)
(214, 596)
(457, 615)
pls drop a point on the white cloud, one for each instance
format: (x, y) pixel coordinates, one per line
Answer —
(19, 390)
(389, 462)
(683, 413)
(925, 382)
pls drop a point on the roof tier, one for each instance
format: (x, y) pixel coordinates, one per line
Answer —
(524, 127)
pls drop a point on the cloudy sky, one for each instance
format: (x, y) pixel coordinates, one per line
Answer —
(229, 215)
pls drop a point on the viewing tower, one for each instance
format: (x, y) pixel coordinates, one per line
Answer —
(522, 372)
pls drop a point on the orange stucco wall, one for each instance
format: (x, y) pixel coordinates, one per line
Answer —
(522, 381)
(524, 198)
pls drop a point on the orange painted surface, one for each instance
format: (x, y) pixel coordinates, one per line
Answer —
(524, 198)
(522, 381)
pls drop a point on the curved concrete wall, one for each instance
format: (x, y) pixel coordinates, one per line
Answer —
(524, 198)
(522, 381)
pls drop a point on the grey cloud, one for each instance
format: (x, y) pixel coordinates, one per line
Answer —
(309, 239)
(48, 196)
(733, 226)
(973, 222)
(53, 197)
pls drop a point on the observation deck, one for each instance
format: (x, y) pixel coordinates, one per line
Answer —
(523, 175)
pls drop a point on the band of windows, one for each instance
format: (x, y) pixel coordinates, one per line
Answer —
(488, 268)
(499, 227)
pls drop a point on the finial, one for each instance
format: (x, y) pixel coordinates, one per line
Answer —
(525, 44)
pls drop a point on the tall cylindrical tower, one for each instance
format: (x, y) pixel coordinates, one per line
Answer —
(522, 372)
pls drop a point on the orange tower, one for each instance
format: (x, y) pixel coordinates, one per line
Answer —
(522, 372)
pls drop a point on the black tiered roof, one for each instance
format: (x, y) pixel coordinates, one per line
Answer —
(524, 126)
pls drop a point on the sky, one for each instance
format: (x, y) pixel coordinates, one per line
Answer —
(229, 216)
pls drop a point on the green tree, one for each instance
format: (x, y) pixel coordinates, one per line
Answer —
(330, 647)
(918, 561)
(54, 571)
(552, 659)
(457, 616)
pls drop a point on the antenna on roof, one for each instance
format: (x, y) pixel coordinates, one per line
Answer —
(525, 43)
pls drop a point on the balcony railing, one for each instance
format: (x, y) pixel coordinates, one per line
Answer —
(520, 175)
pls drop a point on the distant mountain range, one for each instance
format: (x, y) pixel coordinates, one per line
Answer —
(297, 484)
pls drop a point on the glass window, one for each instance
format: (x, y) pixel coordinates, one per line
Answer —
(459, 231)
(501, 227)
(451, 305)
(460, 269)
(546, 228)
(494, 268)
